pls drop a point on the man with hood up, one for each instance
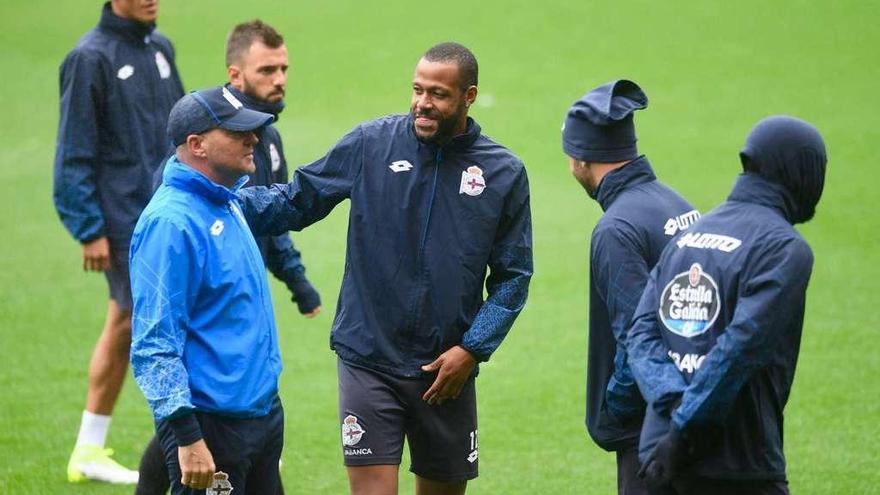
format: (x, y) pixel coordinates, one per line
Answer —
(641, 215)
(715, 338)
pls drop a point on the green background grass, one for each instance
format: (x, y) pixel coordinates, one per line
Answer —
(711, 69)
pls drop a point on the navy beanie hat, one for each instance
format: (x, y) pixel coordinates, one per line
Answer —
(789, 152)
(599, 126)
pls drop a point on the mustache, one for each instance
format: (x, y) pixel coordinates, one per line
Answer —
(431, 114)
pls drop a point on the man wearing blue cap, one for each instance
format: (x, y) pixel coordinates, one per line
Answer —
(204, 346)
(117, 86)
(640, 216)
(715, 338)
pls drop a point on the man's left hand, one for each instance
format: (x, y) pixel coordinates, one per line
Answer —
(306, 298)
(667, 460)
(453, 367)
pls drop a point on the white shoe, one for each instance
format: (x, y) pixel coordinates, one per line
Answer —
(90, 462)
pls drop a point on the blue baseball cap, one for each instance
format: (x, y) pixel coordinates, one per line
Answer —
(212, 108)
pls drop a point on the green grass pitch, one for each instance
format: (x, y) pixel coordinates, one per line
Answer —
(711, 69)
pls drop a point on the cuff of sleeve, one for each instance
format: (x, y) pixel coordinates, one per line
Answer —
(186, 429)
(479, 358)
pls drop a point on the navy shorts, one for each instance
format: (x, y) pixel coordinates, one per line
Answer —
(117, 277)
(377, 411)
(247, 450)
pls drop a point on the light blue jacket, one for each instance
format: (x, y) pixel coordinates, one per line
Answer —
(203, 334)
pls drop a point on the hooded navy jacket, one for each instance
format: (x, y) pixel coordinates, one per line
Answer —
(424, 225)
(716, 334)
(117, 86)
(641, 216)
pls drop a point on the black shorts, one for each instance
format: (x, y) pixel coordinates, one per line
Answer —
(699, 486)
(377, 410)
(247, 450)
(628, 481)
(117, 277)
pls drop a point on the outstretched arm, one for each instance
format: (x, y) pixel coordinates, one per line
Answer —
(312, 194)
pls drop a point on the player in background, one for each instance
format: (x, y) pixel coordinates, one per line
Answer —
(641, 215)
(435, 205)
(256, 64)
(715, 338)
(117, 87)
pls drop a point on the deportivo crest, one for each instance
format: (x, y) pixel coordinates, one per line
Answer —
(472, 181)
(275, 157)
(689, 304)
(220, 485)
(163, 66)
(351, 431)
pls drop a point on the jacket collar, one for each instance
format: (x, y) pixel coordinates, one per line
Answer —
(126, 28)
(181, 176)
(457, 143)
(752, 188)
(636, 172)
(258, 105)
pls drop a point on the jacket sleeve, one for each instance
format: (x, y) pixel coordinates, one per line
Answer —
(510, 265)
(770, 305)
(284, 260)
(282, 257)
(75, 191)
(164, 273)
(312, 194)
(619, 273)
(659, 381)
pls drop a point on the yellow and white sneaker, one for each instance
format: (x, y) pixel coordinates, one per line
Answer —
(90, 462)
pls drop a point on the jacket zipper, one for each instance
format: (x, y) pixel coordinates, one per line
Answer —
(245, 231)
(416, 306)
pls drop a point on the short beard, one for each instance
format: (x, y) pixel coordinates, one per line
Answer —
(445, 128)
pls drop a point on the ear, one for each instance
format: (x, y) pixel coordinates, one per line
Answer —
(470, 96)
(234, 74)
(195, 144)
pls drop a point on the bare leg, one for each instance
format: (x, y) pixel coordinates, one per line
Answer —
(424, 486)
(373, 480)
(109, 361)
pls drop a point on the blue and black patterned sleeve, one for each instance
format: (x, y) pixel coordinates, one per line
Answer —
(282, 257)
(510, 270)
(164, 270)
(75, 191)
(659, 381)
(769, 311)
(619, 274)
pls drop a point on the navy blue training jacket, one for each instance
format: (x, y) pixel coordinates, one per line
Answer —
(424, 225)
(117, 86)
(715, 338)
(641, 216)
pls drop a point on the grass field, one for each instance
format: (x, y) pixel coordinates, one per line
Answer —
(711, 69)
